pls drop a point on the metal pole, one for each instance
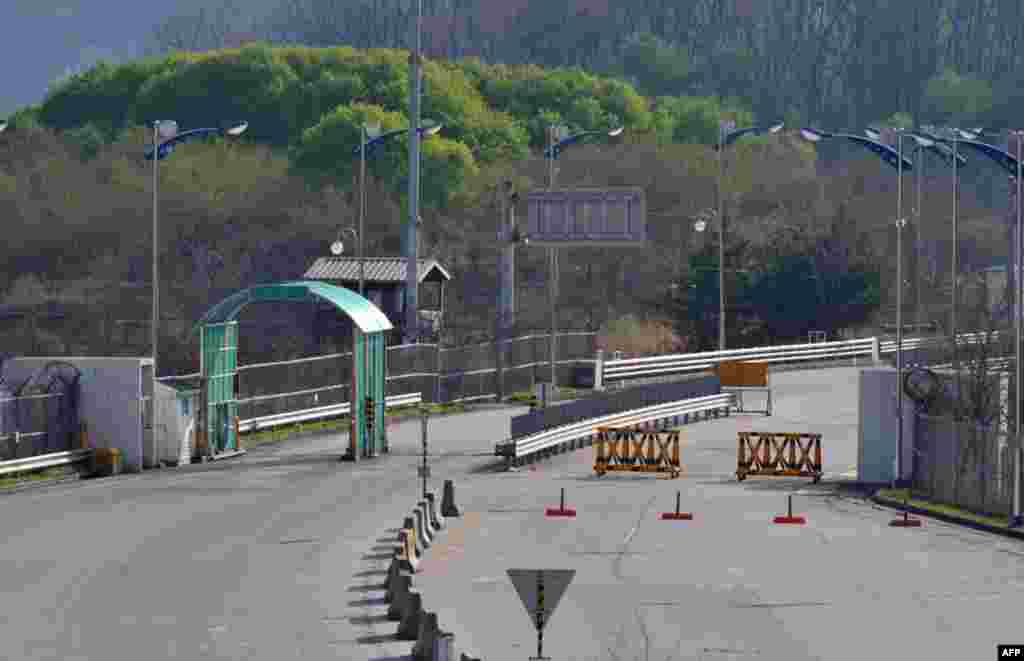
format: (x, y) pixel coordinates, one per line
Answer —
(917, 240)
(424, 422)
(1019, 304)
(956, 261)
(899, 309)
(362, 213)
(504, 241)
(156, 254)
(721, 247)
(412, 243)
(553, 267)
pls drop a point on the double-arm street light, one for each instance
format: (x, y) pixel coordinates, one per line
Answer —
(370, 137)
(165, 138)
(728, 134)
(1013, 166)
(945, 153)
(559, 139)
(895, 158)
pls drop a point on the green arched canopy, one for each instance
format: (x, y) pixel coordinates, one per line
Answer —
(219, 353)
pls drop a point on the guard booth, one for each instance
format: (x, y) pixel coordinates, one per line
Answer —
(218, 337)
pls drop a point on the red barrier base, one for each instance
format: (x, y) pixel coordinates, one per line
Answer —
(677, 516)
(790, 519)
(555, 511)
(905, 523)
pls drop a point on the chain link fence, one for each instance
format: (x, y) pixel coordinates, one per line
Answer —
(963, 464)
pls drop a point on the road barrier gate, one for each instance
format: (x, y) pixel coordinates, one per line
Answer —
(762, 453)
(637, 450)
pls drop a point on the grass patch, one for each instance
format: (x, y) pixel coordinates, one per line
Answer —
(950, 510)
(32, 476)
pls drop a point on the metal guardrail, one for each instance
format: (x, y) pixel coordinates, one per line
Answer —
(329, 411)
(633, 368)
(44, 461)
(518, 448)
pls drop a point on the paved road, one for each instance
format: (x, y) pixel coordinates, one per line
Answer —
(730, 584)
(266, 557)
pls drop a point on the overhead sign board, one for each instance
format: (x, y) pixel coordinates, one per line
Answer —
(540, 591)
(587, 217)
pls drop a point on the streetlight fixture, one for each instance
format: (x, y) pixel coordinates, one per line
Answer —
(896, 159)
(371, 137)
(558, 139)
(728, 134)
(1014, 167)
(338, 247)
(165, 138)
(3, 125)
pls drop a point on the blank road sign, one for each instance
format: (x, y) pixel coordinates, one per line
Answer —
(587, 217)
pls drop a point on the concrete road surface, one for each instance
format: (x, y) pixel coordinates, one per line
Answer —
(729, 584)
(274, 556)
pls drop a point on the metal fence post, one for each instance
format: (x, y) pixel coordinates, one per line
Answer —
(876, 350)
(599, 370)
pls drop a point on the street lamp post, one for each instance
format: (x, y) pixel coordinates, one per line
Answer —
(895, 158)
(370, 137)
(556, 143)
(168, 130)
(1018, 304)
(727, 134)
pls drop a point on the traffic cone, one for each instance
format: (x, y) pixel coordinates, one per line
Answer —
(561, 510)
(790, 518)
(905, 521)
(677, 515)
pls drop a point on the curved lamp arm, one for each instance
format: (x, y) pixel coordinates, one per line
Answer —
(1002, 158)
(432, 129)
(167, 146)
(885, 152)
(736, 134)
(557, 148)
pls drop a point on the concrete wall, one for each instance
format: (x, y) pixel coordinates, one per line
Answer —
(877, 430)
(111, 402)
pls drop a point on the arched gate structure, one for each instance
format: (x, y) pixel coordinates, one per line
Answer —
(218, 358)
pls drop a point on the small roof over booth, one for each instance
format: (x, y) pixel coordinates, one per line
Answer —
(366, 316)
(382, 270)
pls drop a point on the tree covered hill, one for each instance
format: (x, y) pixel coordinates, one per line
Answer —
(76, 195)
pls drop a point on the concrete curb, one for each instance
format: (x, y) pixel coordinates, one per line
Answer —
(948, 518)
(435, 517)
(405, 605)
(448, 508)
(409, 523)
(412, 614)
(400, 589)
(421, 532)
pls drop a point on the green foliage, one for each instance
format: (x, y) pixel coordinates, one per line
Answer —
(658, 68)
(88, 139)
(103, 96)
(250, 84)
(27, 119)
(447, 165)
(695, 119)
(950, 96)
(585, 101)
(324, 154)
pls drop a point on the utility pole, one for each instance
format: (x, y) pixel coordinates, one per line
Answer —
(506, 284)
(412, 234)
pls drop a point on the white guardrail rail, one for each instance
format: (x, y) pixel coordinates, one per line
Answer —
(329, 411)
(653, 366)
(552, 438)
(44, 461)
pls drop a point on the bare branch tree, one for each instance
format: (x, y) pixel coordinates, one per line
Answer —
(203, 30)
